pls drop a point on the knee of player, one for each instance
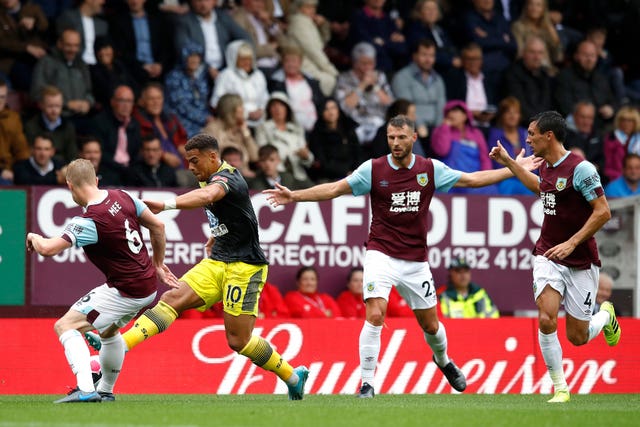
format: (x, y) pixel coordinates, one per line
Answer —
(430, 327)
(236, 342)
(547, 323)
(375, 317)
(577, 337)
(61, 326)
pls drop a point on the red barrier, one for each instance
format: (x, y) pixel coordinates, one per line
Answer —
(498, 356)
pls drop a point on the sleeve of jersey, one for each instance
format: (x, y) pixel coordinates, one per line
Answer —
(445, 177)
(80, 232)
(226, 182)
(360, 179)
(140, 206)
(587, 181)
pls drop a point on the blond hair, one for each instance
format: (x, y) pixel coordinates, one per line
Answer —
(81, 172)
(627, 112)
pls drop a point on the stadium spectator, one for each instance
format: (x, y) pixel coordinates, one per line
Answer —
(242, 77)
(605, 288)
(266, 33)
(373, 25)
(13, 144)
(65, 69)
(529, 81)
(625, 138)
(419, 83)
(281, 130)
(424, 25)
(154, 120)
(566, 252)
(513, 138)
(42, 168)
(268, 173)
(350, 300)
(628, 184)
(50, 120)
(304, 92)
(484, 26)
(231, 130)
(469, 84)
(271, 304)
(210, 28)
(464, 299)
(583, 82)
(151, 170)
(339, 16)
(364, 92)
(84, 19)
(306, 302)
(119, 135)
(380, 146)
(461, 145)
(311, 32)
(142, 41)
(334, 144)
(235, 158)
(108, 72)
(90, 149)
(535, 21)
(187, 90)
(23, 30)
(586, 137)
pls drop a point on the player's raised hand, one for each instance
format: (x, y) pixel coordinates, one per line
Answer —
(499, 154)
(166, 276)
(530, 162)
(156, 206)
(280, 195)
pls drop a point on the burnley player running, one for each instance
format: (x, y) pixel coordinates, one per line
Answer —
(401, 186)
(566, 256)
(109, 232)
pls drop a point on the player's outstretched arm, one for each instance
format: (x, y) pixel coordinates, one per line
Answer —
(493, 176)
(282, 195)
(198, 198)
(521, 167)
(46, 246)
(158, 243)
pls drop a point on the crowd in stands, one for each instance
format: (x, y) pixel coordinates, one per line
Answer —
(310, 81)
(298, 92)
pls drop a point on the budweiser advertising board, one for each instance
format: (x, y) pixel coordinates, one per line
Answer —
(497, 356)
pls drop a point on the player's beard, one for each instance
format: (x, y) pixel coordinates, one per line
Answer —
(402, 155)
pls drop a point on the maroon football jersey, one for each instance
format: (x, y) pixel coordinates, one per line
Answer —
(400, 201)
(565, 212)
(120, 252)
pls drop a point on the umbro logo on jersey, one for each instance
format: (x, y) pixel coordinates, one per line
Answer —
(384, 183)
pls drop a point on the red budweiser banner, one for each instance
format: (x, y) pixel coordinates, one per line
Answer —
(497, 356)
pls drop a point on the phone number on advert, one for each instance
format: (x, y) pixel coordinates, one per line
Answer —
(483, 258)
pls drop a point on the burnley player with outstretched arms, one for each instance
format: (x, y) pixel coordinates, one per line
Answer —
(109, 232)
(566, 264)
(401, 186)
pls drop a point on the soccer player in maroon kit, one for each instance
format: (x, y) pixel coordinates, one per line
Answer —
(566, 265)
(401, 186)
(109, 232)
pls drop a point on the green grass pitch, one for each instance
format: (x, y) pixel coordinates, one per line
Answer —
(183, 410)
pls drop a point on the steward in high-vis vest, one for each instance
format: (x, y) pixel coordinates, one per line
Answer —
(463, 299)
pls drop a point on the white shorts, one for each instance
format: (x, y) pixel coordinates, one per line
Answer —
(577, 287)
(413, 280)
(104, 306)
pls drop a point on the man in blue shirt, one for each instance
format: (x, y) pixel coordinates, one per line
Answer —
(628, 184)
